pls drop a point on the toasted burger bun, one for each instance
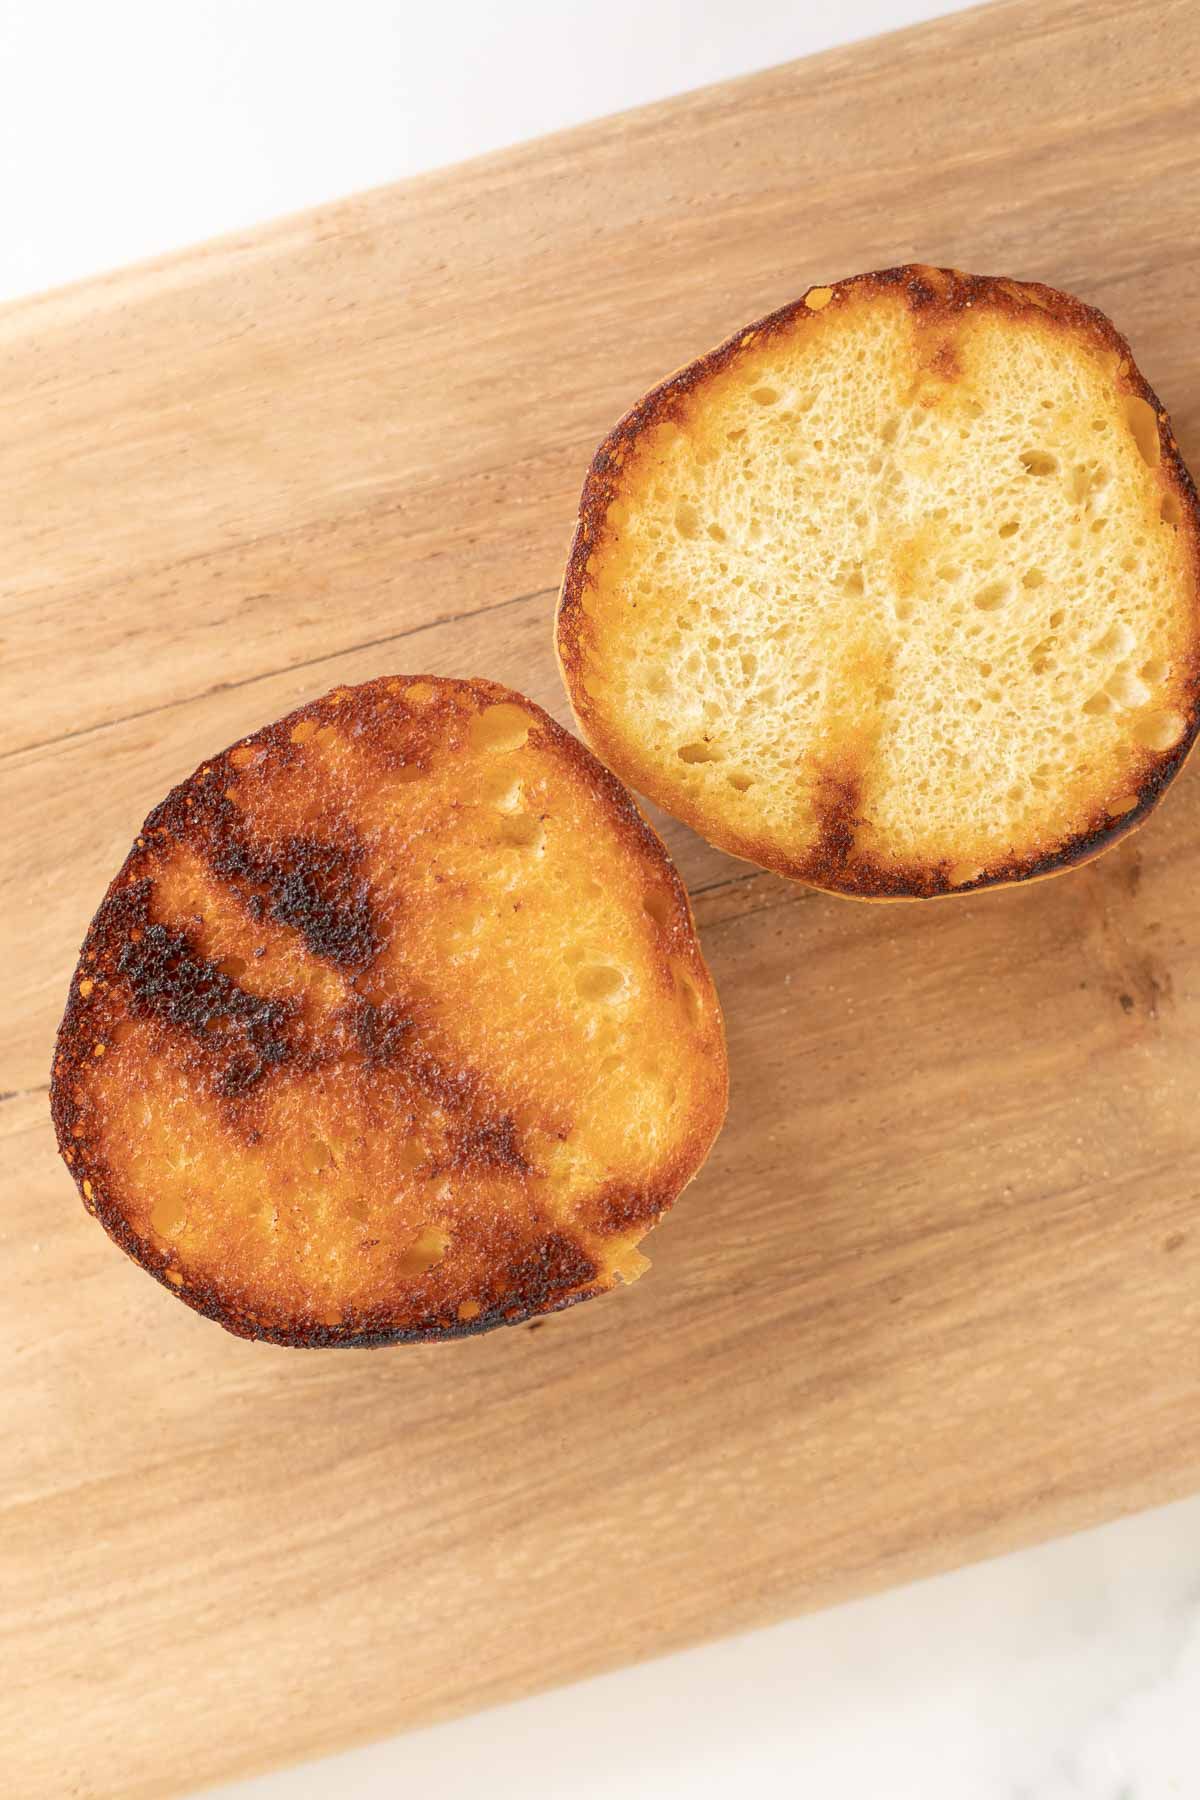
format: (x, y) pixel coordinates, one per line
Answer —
(392, 1026)
(897, 592)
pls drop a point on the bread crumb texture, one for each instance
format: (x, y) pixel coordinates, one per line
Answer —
(898, 591)
(394, 1025)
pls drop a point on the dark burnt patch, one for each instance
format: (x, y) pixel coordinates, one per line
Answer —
(315, 888)
(924, 285)
(482, 1137)
(546, 1271)
(618, 1208)
(164, 976)
(245, 1068)
(370, 1328)
(490, 1145)
(381, 1033)
(156, 971)
(837, 803)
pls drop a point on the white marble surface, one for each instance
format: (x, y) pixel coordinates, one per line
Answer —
(136, 126)
(1069, 1672)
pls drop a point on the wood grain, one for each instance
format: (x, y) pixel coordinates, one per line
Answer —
(937, 1293)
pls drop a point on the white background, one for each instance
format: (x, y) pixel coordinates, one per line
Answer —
(131, 128)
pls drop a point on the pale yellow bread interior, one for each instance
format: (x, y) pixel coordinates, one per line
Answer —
(897, 591)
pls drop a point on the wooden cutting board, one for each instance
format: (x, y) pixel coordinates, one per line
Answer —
(937, 1293)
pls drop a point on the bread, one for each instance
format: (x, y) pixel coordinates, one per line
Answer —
(393, 1025)
(897, 592)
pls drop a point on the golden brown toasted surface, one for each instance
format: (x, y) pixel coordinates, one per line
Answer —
(393, 1025)
(897, 592)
